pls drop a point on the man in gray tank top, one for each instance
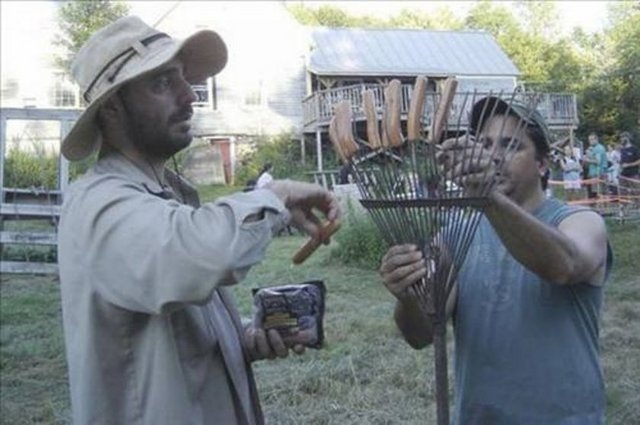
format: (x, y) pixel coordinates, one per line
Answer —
(527, 301)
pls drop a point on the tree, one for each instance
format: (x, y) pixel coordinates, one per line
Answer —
(625, 75)
(496, 19)
(610, 99)
(78, 19)
(330, 16)
(539, 18)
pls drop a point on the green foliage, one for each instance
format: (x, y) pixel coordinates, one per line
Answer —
(37, 254)
(610, 97)
(78, 168)
(281, 151)
(359, 242)
(30, 166)
(211, 192)
(330, 16)
(79, 19)
(625, 76)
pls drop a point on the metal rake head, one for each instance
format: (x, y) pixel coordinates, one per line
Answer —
(405, 183)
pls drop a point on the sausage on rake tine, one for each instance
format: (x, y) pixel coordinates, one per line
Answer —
(333, 136)
(373, 129)
(344, 131)
(416, 107)
(441, 117)
(391, 117)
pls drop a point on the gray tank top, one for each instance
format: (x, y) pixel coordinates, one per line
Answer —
(526, 350)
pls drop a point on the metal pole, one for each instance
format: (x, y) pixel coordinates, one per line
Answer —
(442, 379)
(319, 148)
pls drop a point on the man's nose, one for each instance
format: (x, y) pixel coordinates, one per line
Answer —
(187, 94)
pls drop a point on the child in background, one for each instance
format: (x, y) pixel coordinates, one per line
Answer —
(571, 170)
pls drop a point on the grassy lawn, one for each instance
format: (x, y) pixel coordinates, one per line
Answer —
(366, 374)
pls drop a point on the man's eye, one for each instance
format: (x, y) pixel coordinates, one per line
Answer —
(485, 142)
(161, 83)
(508, 143)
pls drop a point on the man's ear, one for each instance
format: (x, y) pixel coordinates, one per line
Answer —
(543, 166)
(112, 107)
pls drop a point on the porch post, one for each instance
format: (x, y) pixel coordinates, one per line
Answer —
(63, 164)
(3, 140)
(319, 147)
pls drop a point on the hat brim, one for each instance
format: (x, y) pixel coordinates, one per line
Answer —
(493, 105)
(203, 55)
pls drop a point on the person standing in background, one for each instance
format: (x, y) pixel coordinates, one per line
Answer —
(629, 157)
(596, 160)
(613, 168)
(265, 176)
(571, 174)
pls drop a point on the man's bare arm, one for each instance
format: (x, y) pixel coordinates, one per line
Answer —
(573, 253)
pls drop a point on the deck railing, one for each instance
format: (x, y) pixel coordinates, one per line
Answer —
(558, 109)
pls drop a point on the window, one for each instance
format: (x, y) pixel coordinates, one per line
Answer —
(201, 91)
(63, 93)
(10, 90)
(253, 95)
(206, 95)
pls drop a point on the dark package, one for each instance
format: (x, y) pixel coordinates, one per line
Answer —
(295, 311)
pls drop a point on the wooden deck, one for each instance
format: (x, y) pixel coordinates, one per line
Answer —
(559, 109)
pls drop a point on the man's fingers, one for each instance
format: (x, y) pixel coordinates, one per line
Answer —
(306, 196)
(334, 211)
(262, 346)
(455, 143)
(399, 249)
(405, 275)
(401, 266)
(306, 222)
(250, 343)
(277, 344)
(400, 260)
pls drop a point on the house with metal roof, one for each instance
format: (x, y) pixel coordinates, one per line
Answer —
(348, 52)
(343, 62)
(284, 77)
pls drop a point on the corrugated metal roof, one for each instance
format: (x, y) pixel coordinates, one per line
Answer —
(372, 52)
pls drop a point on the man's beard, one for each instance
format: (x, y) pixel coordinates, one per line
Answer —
(153, 143)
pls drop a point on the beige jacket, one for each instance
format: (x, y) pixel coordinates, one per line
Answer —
(152, 336)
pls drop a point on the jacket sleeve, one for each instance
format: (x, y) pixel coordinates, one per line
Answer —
(148, 254)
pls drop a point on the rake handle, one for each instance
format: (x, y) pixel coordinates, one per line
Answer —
(312, 244)
(442, 376)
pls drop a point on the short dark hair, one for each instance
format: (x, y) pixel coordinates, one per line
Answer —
(539, 138)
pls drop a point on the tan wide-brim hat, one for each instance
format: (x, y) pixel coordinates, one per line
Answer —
(123, 51)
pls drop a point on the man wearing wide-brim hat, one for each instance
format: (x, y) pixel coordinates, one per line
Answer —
(152, 335)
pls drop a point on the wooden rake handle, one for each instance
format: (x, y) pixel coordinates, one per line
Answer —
(312, 244)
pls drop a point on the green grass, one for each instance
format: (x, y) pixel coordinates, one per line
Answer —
(213, 191)
(365, 374)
